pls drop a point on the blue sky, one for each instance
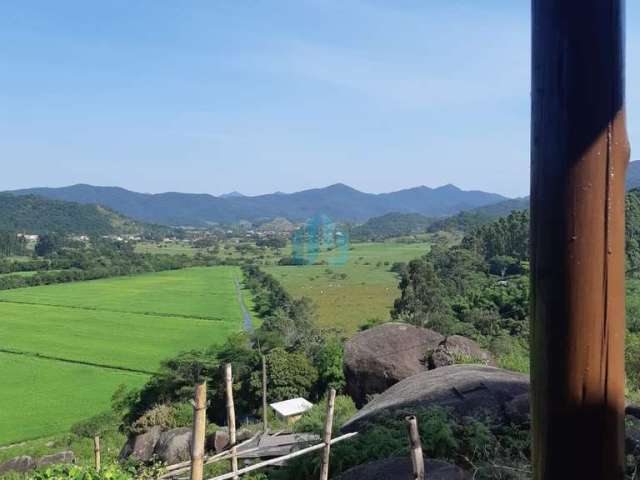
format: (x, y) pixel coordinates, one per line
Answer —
(265, 95)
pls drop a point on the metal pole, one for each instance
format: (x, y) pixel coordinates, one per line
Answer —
(199, 428)
(417, 460)
(579, 156)
(328, 429)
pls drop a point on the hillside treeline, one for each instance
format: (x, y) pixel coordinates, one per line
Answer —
(12, 245)
(64, 261)
(37, 215)
(478, 289)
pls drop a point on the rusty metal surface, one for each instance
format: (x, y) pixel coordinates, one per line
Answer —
(579, 156)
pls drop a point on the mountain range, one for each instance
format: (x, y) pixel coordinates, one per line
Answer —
(339, 201)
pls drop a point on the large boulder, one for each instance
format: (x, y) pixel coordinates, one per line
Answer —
(140, 447)
(456, 350)
(401, 469)
(380, 357)
(56, 459)
(174, 446)
(219, 441)
(467, 389)
(20, 464)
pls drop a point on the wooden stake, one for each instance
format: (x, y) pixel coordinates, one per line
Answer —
(265, 407)
(231, 419)
(199, 427)
(279, 460)
(579, 155)
(328, 428)
(96, 450)
(417, 460)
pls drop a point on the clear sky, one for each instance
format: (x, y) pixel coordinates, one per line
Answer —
(265, 95)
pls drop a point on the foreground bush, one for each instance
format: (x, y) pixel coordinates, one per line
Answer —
(109, 472)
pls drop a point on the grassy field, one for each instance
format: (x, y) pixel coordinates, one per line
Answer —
(41, 396)
(76, 340)
(168, 248)
(362, 289)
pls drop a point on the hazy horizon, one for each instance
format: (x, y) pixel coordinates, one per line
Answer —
(259, 98)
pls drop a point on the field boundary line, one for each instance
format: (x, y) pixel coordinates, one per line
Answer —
(112, 310)
(25, 353)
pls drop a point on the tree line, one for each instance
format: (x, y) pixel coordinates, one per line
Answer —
(65, 260)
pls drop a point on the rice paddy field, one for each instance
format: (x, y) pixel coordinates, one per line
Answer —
(66, 348)
(362, 289)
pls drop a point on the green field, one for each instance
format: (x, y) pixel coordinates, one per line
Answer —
(41, 396)
(367, 292)
(76, 336)
(168, 248)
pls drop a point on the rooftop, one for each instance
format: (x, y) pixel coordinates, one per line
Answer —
(295, 406)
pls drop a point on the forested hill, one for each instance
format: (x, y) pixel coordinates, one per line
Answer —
(391, 225)
(37, 215)
(340, 202)
(470, 219)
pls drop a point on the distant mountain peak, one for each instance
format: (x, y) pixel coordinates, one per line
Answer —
(449, 187)
(234, 194)
(340, 186)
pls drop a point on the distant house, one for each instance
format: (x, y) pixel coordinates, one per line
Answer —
(29, 238)
(291, 410)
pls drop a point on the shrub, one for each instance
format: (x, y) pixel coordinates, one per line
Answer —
(329, 364)
(96, 425)
(108, 472)
(165, 416)
(290, 375)
(313, 420)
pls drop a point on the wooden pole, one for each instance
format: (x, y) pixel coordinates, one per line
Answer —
(289, 456)
(417, 460)
(579, 155)
(231, 419)
(178, 468)
(199, 428)
(96, 450)
(328, 429)
(265, 406)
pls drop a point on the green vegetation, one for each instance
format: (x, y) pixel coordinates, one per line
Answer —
(73, 344)
(302, 360)
(12, 244)
(110, 472)
(63, 260)
(34, 214)
(488, 449)
(468, 220)
(348, 296)
(41, 397)
(391, 225)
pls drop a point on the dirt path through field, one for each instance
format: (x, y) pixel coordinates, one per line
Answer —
(246, 316)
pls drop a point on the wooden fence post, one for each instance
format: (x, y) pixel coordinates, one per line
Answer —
(417, 460)
(265, 406)
(96, 450)
(231, 418)
(199, 426)
(579, 155)
(328, 428)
